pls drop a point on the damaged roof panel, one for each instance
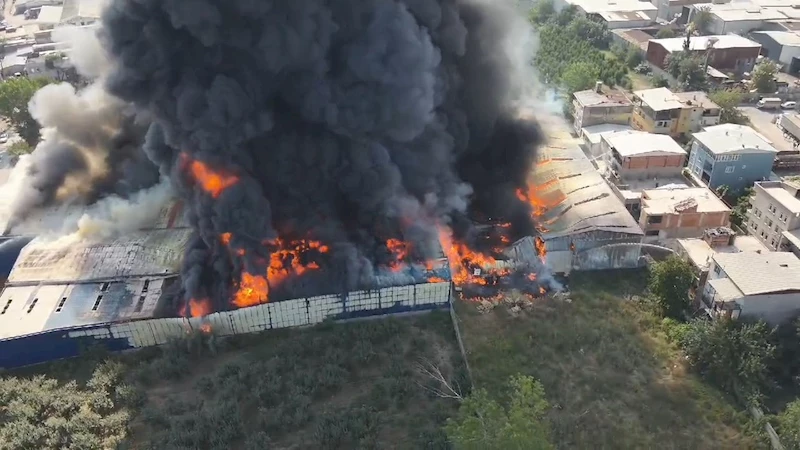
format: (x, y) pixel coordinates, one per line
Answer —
(143, 253)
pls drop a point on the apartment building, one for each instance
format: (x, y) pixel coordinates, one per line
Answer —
(637, 154)
(681, 212)
(661, 111)
(601, 105)
(732, 155)
(775, 214)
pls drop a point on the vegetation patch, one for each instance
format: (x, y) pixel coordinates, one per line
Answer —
(333, 386)
(612, 376)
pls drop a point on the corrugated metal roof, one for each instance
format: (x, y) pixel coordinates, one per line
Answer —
(761, 273)
(34, 309)
(144, 253)
(583, 200)
(786, 38)
(701, 43)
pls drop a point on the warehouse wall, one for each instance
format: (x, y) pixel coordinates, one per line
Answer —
(59, 344)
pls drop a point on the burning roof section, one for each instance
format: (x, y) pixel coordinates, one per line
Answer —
(575, 198)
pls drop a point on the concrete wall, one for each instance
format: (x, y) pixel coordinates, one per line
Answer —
(766, 225)
(746, 169)
(67, 343)
(684, 225)
(774, 308)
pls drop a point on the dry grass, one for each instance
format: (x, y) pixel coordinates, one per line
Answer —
(613, 379)
(640, 82)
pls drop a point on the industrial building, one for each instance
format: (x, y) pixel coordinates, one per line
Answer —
(614, 13)
(780, 46)
(724, 52)
(65, 293)
(731, 155)
(758, 285)
(584, 225)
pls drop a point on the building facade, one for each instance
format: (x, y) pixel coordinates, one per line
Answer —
(601, 105)
(661, 111)
(775, 213)
(681, 213)
(780, 46)
(637, 154)
(758, 285)
(731, 155)
(728, 53)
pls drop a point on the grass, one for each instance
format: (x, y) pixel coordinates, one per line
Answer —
(609, 371)
(639, 81)
(331, 386)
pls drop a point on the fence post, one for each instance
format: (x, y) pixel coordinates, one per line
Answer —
(454, 319)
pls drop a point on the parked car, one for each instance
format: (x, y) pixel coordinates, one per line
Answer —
(789, 105)
(3, 138)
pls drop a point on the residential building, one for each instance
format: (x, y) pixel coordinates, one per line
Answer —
(727, 53)
(698, 251)
(593, 137)
(661, 111)
(731, 155)
(601, 105)
(637, 154)
(698, 112)
(775, 214)
(757, 285)
(780, 46)
(681, 213)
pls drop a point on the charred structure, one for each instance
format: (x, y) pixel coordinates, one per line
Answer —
(318, 146)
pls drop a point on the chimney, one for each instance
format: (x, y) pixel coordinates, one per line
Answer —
(598, 87)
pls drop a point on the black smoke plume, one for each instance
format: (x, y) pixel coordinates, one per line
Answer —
(349, 122)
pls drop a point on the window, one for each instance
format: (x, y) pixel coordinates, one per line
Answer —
(716, 269)
(104, 287)
(755, 226)
(727, 158)
(139, 304)
(33, 303)
(772, 242)
(5, 308)
(145, 286)
(756, 212)
(769, 223)
(776, 227)
(651, 233)
(654, 219)
(730, 169)
(97, 303)
(61, 304)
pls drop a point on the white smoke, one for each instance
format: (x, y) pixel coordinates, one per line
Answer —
(78, 127)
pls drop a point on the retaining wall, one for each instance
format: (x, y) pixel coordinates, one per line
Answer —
(66, 343)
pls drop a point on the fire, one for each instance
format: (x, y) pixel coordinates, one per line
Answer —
(205, 328)
(541, 248)
(466, 265)
(436, 280)
(287, 259)
(399, 250)
(214, 182)
(197, 308)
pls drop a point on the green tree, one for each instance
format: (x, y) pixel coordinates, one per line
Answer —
(542, 12)
(594, 32)
(692, 74)
(789, 425)
(633, 58)
(483, 424)
(665, 33)
(728, 101)
(732, 354)
(15, 94)
(764, 76)
(19, 148)
(659, 81)
(669, 283)
(741, 205)
(702, 19)
(579, 76)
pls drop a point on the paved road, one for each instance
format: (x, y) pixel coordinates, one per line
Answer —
(762, 122)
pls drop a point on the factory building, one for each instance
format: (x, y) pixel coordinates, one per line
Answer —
(583, 222)
(63, 294)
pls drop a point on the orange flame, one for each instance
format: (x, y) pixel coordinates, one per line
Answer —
(541, 248)
(205, 328)
(466, 265)
(285, 261)
(399, 250)
(436, 280)
(214, 182)
(197, 308)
